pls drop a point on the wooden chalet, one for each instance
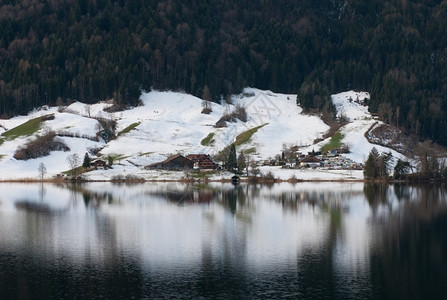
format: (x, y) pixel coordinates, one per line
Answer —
(176, 162)
(99, 163)
(310, 161)
(203, 161)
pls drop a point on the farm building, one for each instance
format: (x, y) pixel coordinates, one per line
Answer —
(310, 161)
(99, 163)
(203, 161)
(176, 162)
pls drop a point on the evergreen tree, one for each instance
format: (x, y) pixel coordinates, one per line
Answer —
(370, 171)
(86, 163)
(401, 169)
(232, 159)
(241, 162)
(377, 165)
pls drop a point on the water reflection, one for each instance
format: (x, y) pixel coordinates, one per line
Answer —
(308, 240)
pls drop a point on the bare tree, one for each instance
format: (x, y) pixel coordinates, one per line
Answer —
(42, 170)
(73, 161)
(429, 163)
(206, 102)
(397, 115)
(88, 110)
(385, 112)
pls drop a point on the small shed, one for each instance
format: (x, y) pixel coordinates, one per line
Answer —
(235, 180)
(176, 162)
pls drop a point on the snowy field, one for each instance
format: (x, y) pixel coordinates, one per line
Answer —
(171, 123)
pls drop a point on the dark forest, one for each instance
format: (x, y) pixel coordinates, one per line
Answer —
(54, 52)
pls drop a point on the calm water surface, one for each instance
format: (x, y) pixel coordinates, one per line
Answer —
(303, 241)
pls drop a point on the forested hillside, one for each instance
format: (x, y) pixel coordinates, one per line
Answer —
(60, 50)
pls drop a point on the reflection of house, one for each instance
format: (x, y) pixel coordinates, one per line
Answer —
(203, 161)
(99, 163)
(188, 197)
(310, 161)
(176, 162)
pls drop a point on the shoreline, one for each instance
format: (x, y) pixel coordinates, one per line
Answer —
(252, 180)
(201, 180)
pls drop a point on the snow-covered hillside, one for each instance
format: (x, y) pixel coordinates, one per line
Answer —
(169, 123)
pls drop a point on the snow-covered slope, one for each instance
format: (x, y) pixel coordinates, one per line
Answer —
(169, 123)
(286, 123)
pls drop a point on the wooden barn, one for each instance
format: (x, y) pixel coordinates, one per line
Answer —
(176, 162)
(203, 161)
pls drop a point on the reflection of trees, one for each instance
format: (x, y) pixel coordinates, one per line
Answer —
(315, 267)
(376, 194)
(44, 265)
(42, 191)
(408, 261)
(315, 271)
(225, 271)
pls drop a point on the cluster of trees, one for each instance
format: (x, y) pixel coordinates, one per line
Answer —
(429, 166)
(73, 161)
(239, 163)
(62, 50)
(43, 145)
(377, 165)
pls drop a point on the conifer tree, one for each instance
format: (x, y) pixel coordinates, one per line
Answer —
(241, 162)
(377, 165)
(86, 163)
(401, 169)
(370, 171)
(232, 159)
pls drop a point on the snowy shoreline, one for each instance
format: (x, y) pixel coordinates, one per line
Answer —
(279, 175)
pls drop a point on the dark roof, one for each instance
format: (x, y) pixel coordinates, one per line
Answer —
(169, 159)
(310, 159)
(172, 158)
(98, 162)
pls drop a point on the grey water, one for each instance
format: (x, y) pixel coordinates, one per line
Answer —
(217, 241)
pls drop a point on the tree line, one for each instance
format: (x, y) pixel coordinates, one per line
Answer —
(427, 165)
(57, 51)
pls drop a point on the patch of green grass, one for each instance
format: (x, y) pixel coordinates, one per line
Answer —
(240, 139)
(145, 153)
(246, 136)
(202, 175)
(208, 140)
(78, 171)
(115, 156)
(25, 129)
(334, 142)
(1, 156)
(129, 128)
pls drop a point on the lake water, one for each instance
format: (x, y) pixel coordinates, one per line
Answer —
(169, 240)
